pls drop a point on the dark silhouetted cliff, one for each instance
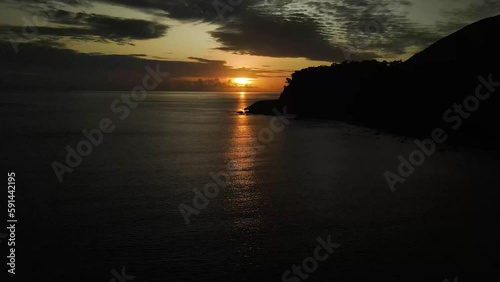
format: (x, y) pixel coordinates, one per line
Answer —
(438, 87)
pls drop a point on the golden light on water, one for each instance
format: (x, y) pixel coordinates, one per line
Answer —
(245, 197)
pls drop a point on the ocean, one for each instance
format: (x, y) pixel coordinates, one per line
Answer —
(291, 184)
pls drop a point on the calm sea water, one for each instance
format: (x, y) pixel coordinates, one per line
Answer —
(120, 207)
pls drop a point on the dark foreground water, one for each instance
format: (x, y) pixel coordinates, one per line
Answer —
(120, 206)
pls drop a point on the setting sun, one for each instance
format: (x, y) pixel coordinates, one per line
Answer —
(242, 80)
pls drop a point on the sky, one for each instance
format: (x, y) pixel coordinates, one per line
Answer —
(207, 44)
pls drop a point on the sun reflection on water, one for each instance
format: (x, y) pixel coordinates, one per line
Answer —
(244, 200)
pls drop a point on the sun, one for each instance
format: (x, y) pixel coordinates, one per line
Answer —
(242, 80)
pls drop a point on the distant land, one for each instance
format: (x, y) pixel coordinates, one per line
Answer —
(451, 85)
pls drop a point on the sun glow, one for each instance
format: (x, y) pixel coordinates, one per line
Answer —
(242, 81)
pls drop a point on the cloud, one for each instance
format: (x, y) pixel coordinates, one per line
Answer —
(202, 60)
(210, 85)
(184, 10)
(276, 36)
(92, 27)
(323, 30)
(456, 18)
(175, 9)
(379, 26)
(43, 66)
(313, 29)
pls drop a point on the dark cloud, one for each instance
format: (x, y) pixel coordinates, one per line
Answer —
(379, 26)
(202, 60)
(275, 36)
(273, 73)
(176, 9)
(324, 30)
(457, 18)
(192, 10)
(249, 28)
(316, 30)
(313, 29)
(43, 66)
(186, 10)
(92, 27)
